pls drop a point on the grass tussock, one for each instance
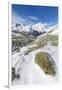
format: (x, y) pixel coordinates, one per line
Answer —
(53, 39)
(43, 61)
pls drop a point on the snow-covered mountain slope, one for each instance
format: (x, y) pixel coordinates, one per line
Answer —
(28, 28)
(31, 73)
(17, 27)
(36, 29)
(53, 31)
(39, 27)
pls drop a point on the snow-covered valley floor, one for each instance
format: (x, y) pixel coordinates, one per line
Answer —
(31, 73)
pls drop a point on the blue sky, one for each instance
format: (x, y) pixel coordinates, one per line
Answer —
(28, 14)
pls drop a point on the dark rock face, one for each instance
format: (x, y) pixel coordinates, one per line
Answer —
(17, 25)
(36, 33)
(14, 75)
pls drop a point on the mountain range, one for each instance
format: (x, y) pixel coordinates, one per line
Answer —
(29, 28)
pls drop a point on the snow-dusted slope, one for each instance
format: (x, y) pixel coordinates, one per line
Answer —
(53, 30)
(28, 28)
(31, 73)
(39, 27)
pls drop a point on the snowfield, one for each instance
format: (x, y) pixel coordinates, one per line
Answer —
(31, 73)
(54, 32)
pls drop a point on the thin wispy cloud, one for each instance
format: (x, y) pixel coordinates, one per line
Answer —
(33, 18)
(33, 14)
(16, 18)
(21, 19)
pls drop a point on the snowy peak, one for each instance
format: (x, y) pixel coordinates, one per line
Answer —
(39, 27)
